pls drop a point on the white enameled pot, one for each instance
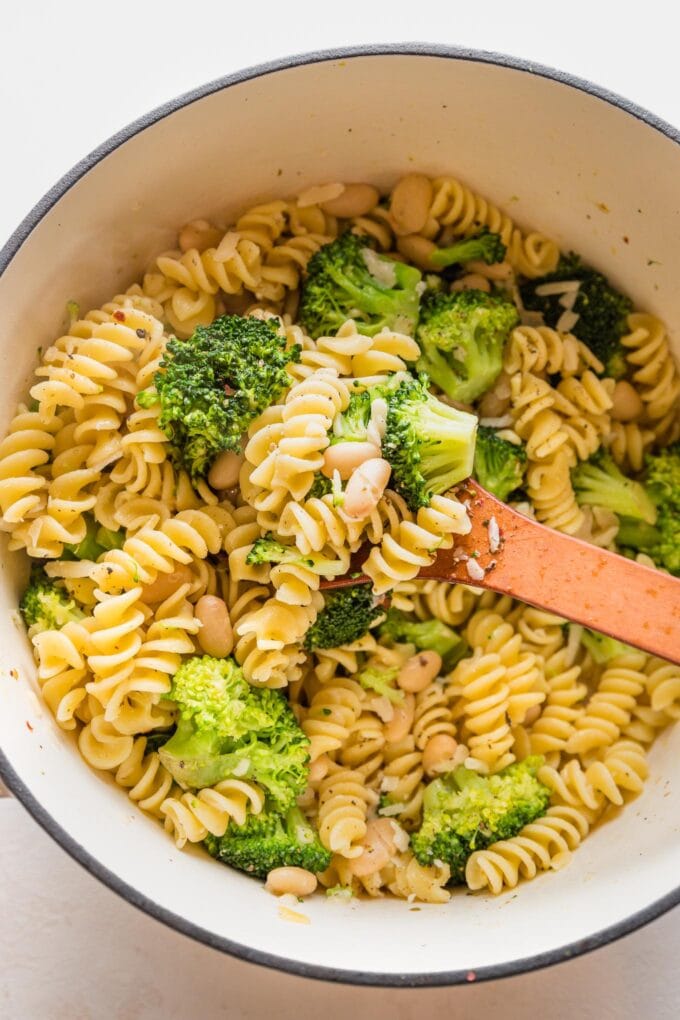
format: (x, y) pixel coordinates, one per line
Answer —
(585, 167)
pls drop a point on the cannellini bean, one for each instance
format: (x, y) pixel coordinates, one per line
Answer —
(378, 847)
(215, 636)
(472, 281)
(627, 405)
(401, 721)
(496, 271)
(438, 749)
(355, 200)
(346, 458)
(419, 671)
(199, 234)
(410, 203)
(416, 248)
(166, 585)
(365, 487)
(225, 470)
(297, 881)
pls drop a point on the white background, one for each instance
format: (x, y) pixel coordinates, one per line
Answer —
(71, 74)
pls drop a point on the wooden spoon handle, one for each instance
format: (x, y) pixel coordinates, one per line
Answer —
(600, 589)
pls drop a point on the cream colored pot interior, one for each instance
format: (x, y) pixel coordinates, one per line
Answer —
(566, 162)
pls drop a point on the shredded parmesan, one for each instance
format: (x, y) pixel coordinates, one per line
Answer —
(567, 321)
(380, 269)
(286, 914)
(389, 783)
(391, 809)
(401, 840)
(242, 768)
(494, 535)
(320, 193)
(378, 422)
(226, 249)
(497, 423)
(474, 570)
(558, 287)
(383, 707)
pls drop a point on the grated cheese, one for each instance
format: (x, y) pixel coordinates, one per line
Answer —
(474, 570)
(380, 269)
(558, 287)
(494, 535)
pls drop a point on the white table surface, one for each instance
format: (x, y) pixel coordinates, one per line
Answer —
(71, 74)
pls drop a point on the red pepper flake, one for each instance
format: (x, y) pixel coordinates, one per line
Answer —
(471, 976)
(28, 726)
(229, 390)
(119, 316)
(14, 673)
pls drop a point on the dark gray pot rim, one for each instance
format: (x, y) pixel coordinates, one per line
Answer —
(17, 786)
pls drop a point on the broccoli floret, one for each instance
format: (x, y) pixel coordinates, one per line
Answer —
(602, 647)
(212, 386)
(499, 465)
(429, 444)
(462, 336)
(268, 550)
(45, 604)
(346, 616)
(430, 635)
(267, 841)
(598, 482)
(661, 480)
(482, 247)
(380, 680)
(464, 812)
(347, 280)
(352, 424)
(227, 728)
(97, 541)
(602, 311)
(321, 486)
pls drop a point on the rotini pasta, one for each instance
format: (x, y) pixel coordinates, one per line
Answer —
(159, 566)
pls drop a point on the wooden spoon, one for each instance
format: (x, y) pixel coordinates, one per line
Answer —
(576, 580)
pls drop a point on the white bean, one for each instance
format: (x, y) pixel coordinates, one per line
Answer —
(365, 487)
(355, 200)
(346, 458)
(410, 203)
(419, 671)
(472, 281)
(438, 749)
(166, 585)
(496, 271)
(297, 881)
(417, 248)
(627, 405)
(400, 723)
(215, 636)
(225, 470)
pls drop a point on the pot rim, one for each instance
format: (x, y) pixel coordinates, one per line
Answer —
(13, 781)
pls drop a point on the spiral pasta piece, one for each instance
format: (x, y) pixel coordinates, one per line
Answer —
(609, 709)
(463, 211)
(331, 716)
(480, 681)
(546, 843)
(655, 373)
(191, 816)
(343, 806)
